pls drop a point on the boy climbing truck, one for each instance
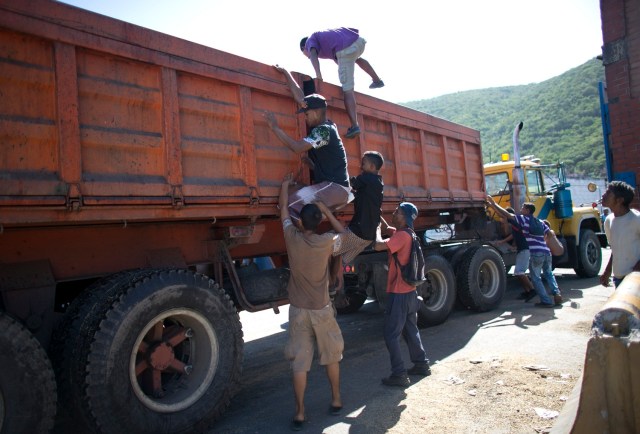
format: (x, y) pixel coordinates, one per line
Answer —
(138, 203)
(513, 182)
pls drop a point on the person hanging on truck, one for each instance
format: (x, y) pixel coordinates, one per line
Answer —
(311, 315)
(326, 152)
(522, 248)
(402, 304)
(344, 46)
(622, 227)
(367, 208)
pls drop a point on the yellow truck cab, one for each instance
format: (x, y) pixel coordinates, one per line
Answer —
(578, 228)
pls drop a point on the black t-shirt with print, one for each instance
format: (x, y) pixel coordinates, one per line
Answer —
(328, 154)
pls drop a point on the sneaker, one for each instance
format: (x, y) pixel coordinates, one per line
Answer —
(397, 381)
(547, 305)
(376, 84)
(557, 299)
(529, 296)
(421, 370)
(352, 132)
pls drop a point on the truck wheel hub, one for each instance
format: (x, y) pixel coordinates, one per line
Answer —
(161, 356)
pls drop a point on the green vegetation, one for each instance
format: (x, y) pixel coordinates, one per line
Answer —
(561, 118)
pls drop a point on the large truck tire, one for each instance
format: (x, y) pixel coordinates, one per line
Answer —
(481, 279)
(163, 353)
(27, 382)
(74, 333)
(589, 254)
(438, 294)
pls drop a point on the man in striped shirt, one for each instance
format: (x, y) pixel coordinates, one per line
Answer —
(538, 252)
(539, 256)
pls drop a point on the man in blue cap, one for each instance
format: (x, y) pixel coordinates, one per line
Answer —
(402, 304)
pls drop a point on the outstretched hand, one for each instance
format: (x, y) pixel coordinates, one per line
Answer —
(288, 179)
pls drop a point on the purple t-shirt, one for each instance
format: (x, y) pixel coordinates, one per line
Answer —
(328, 42)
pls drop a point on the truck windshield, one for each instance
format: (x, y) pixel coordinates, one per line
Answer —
(535, 184)
(497, 184)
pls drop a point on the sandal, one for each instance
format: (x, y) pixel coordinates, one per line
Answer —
(297, 425)
(335, 410)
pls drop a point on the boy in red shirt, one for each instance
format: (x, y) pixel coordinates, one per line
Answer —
(402, 304)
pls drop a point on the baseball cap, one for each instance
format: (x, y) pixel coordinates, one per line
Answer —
(314, 101)
(410, 212)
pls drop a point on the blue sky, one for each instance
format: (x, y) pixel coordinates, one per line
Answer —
(420, 49)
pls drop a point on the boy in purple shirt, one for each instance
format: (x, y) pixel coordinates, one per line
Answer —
(344, 46)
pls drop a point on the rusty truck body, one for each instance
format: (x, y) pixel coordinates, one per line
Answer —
(137, 177)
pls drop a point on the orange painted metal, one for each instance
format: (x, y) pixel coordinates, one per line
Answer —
(113, 135)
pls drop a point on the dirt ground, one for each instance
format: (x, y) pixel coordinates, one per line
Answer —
(486, 395)
(505, 371)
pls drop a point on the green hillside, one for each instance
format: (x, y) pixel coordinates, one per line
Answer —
(561, 118)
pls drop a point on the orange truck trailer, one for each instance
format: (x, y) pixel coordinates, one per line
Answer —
(138, 180)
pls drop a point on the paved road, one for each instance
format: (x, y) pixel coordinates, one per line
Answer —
(265, 402)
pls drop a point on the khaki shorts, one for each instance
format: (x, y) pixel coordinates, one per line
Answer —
(307, 326)
(347, 61)
(349, 245)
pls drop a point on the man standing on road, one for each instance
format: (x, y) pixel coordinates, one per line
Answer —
(311, 314)
(539, 253)
(402, 303)
(344, 46)
(622, 227)
(522, 247)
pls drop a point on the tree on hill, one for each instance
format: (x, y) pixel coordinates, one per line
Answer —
(561, 118)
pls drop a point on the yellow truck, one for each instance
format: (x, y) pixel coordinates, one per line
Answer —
(512, 182)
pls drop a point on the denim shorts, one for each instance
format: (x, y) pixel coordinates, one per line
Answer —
(522, 262)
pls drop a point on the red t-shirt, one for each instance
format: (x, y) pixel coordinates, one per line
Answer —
(399, 242)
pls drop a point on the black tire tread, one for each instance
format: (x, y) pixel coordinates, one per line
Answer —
(102, 414)
(27, 381)
(426, 317)
(582, 270)
(466, 291)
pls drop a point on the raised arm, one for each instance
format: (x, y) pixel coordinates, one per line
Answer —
(503, 212)
(335, 223)
(296, 92)
(293, 144)
(283, 200)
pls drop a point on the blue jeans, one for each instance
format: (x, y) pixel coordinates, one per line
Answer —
(536, 263)
(400, 320)
(547, 274)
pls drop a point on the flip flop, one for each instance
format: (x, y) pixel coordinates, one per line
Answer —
(297, 425)
(335, 410)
